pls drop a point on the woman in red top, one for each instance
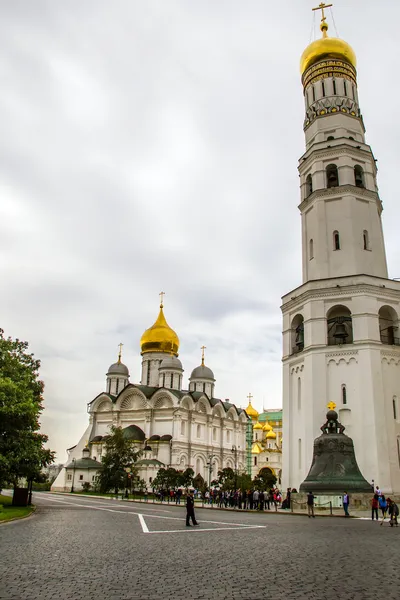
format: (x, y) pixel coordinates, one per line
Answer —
(375, 506)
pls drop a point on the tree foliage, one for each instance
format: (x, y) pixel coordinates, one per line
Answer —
(265, 480)
(171, 479)
(119, 456)
(22, 452)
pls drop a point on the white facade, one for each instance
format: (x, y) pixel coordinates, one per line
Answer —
(340, 327)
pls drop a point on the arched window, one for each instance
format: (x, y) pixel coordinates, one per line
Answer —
(297, 334)
(332, 176)
(172, 381)
(214, 433)
(309, 186)
(336, 240)
(388, 326)
(339, 325)
(116, 385)
(359, 176)
(344, 394)
(365, 239)
(198, 431)
(228, 436)
(183, 427)
(311, 249)
(299, 393)
(394, 408)
(255, 461)
(330, 138)
(198, 466)
(109, 386)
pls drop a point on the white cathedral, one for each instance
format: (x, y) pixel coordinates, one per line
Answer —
(341, 326)
(173, 427)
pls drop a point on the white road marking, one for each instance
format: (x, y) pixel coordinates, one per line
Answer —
(49, 498)
(143, 524)
(145, 529)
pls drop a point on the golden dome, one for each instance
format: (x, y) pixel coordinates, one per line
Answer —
(160, 337)
(267, 427)
(252, 413)
(327, 47)
(271, 435)
(258, 426)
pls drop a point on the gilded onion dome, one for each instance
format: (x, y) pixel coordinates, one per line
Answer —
(258, 426)
(271, 435)
(160, 337)
(252, 413)
(327, 48)
(267, 427)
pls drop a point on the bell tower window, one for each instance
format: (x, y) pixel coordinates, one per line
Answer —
(345, 87)
(297, 334)
(309, 186)
(336, 240)
(334, 86)
(344, 394)
(311, 249)
(359, 176)
(323, 88)
(339, 326)
(332, 176)
(365, 240)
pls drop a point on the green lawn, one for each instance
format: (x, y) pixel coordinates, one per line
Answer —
(7, 511)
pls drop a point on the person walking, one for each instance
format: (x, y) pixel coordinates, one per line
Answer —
(393, 510)
(255, 499)
(310, 504)
(190, 510)
(383, 507)
(346, 502)
(375, 506)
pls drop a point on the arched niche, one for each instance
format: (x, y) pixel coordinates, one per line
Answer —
(332, 176)
(297, 334)
(389, 326)
(339, 326)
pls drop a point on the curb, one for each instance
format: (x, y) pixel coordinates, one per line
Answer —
(19, 518)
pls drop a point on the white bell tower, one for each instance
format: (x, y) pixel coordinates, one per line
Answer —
(341, 340)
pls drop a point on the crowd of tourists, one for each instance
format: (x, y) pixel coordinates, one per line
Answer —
(239, 499)
(387, 506)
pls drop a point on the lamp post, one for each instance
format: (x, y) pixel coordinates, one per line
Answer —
(210, 465)
(235, 451)
(128, 471)
(73, 475)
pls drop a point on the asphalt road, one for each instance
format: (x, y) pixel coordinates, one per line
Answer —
(86, 548)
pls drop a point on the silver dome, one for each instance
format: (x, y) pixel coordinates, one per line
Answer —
(171, 362)
(202, 372)
(118, 368)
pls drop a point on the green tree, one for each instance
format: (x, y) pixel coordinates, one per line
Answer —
(185, 478)
(244, 482)
(226, 478)
(22, 452)
(166, 479)
(119, 455)
(199, 483)
(265, 480)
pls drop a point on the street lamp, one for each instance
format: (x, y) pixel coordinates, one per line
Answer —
(73, 475)
(210, 465)
(235, 451)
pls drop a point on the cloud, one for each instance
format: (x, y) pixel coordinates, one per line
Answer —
(150, 146)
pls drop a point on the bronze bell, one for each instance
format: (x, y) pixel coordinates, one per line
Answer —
(334, 466)
(340, 332)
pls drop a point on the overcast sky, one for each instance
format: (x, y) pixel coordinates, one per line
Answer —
(153, 145)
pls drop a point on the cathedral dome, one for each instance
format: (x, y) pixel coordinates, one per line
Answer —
(118, 368)
(171, 362)
(271, 435)
(326, 48)
(267, 427)
(160, 337)
(258, 426)
(202, 372)
(252, 413)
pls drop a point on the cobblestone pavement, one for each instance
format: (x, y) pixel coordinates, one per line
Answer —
(83, 548)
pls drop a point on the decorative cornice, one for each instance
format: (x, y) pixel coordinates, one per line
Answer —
(342, 353)
(314, 154)
(329, 68)
(340, 191)
(349, 291)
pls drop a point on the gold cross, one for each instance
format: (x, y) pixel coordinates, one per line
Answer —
(161, 294)
(202, 355)
(249, 398)
(331, 406)
(120, 352)
(321, 8)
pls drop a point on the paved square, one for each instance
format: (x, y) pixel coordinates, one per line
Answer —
(84, 548)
